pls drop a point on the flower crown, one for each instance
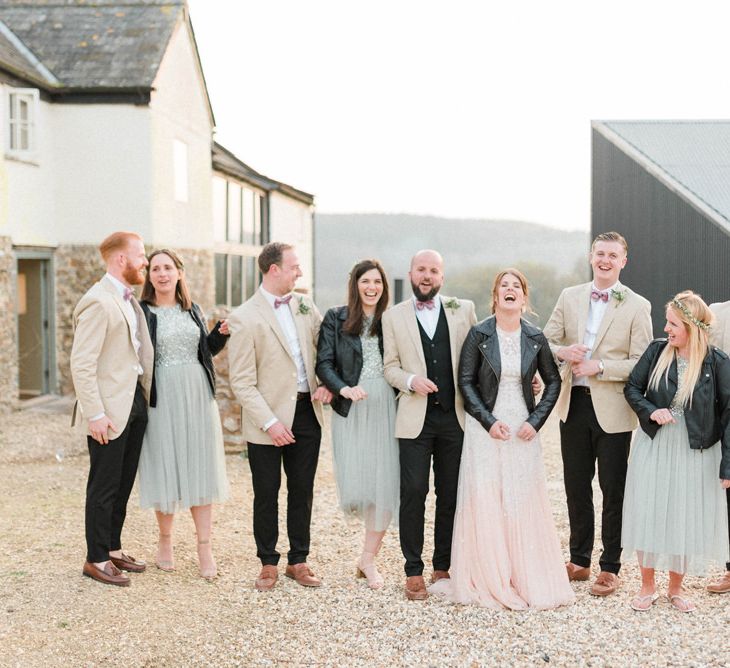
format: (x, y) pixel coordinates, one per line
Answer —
(699, 323)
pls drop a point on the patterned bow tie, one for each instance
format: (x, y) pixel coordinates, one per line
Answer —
(599, 294)
(284, 300)
(427, 304)
(128, 292)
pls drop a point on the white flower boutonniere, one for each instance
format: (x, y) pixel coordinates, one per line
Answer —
(452, 303)
(303, 308)
(618, 295)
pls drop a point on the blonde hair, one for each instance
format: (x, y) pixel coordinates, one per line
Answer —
(115, 242)
(611, 236)
(696, 317)
(523, 284)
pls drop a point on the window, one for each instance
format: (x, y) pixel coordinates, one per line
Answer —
(180, 169)
(22, 122)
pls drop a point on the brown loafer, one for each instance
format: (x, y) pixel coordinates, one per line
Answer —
(110, 574)
(127, 563)
(721, 585)
(416, 588)
(606, 583)
(575, 572)
(267, 578)
(439, 575)
(303, 575)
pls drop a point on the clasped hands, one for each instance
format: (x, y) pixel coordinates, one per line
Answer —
(576, 354)
(501, 431)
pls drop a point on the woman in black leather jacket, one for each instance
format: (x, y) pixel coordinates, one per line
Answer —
(182, 462)
(350, 364)
(675, 515)
(505, 549)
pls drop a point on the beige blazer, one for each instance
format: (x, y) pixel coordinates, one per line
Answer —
(720, 330)
(263, 373)
(403, 357)
(622, 338)
(104, 365)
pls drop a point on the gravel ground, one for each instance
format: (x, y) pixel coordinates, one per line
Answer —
(50, 615)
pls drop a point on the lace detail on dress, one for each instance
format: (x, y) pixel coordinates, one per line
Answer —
(510, 405)
(372, 360)
(676, 408)
(177, 336)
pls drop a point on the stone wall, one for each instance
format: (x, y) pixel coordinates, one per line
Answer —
(8, 329)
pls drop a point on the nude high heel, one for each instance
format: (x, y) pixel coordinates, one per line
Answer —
(164, 564)
(210, 573)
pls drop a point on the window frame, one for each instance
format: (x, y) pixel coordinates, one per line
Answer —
(12, 124)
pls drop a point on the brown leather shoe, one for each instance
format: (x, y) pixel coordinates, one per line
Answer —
(416, 588)
(439, 575)
(127, 563)
(721, 585)
(606, 583)
(575, 572)
(303, 575)
(267, 578)
(110, 575)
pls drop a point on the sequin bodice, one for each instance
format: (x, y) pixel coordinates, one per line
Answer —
(372, 360)
(177, 336)
(675, 407)
(510, 404)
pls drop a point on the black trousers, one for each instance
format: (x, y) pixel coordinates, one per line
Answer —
(442, 439)
(727, 493)
(112, 470)
(300, 465)
(583, 443)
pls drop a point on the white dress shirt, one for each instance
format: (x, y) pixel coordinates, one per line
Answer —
(286, 322)
(596, 310)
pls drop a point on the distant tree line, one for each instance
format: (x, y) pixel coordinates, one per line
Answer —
(545, 283)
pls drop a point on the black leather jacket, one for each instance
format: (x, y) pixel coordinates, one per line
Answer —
(210, 344)
(480, 370)
(707, 419)
(339, 357)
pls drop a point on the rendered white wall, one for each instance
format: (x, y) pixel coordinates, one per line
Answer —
(291, 221)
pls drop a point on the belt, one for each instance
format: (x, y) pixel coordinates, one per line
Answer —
(301, 396)
(581, 388)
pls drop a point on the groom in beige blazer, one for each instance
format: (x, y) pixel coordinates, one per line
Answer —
(422, 339)
(720, 337)
(271, 356)
(111, 367)
(597, 332)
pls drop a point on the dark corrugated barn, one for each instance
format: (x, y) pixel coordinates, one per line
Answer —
(665, 185)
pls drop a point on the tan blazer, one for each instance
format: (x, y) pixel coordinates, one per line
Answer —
(622, 338)
(104, 365)
(403, 357)
(263, 373)
(720, 330)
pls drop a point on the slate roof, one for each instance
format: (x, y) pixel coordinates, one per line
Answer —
(690, 156)
(95, 45)
(225, 161)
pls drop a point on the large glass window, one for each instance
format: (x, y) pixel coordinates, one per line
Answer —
(234, 213)
(220, 206)
(236, 278)
(221, 279)
(248, 216)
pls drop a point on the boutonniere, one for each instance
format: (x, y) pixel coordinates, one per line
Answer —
(303, 308)
(618, 295)
(452, 303)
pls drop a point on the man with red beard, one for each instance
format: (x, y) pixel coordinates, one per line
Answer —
(422, 340)
(111, 365)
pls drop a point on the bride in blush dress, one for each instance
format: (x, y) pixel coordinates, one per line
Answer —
(505, 551)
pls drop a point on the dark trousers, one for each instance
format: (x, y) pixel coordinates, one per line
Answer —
(442, 439)
(300, 465)
(727, 493)
(582, 443)
(112, 470)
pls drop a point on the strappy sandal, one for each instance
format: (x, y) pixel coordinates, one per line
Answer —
(644, 603)
(167, 565)
(210, 573)
(680, 603)
(371, 573)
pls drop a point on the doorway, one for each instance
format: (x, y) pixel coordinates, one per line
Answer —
(35, 324)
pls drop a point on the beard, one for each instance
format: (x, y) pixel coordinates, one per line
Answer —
(133, 276)
(425, 296)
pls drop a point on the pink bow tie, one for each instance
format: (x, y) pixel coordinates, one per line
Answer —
(128, 292)
(284, 300)
(599, 294)
(427, 304)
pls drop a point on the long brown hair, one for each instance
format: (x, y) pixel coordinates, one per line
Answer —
(355, 316)
(182, 294)
(527, 308)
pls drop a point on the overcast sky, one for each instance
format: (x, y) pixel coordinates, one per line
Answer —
(462, 108)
